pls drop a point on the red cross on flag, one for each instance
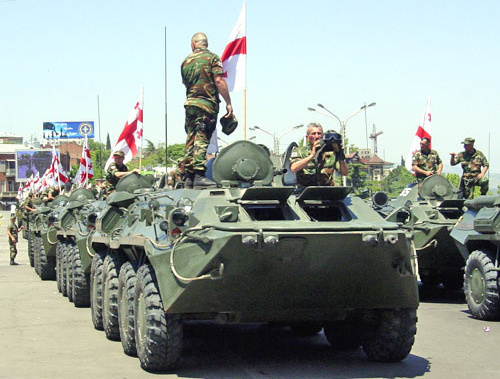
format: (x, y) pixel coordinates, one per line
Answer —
(423, 130)
(131, 135)
(86, 170)
(234, 56)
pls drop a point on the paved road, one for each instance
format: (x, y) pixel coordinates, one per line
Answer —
(43, 336)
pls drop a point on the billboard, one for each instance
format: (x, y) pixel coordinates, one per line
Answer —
(68, 130)
(29, 162)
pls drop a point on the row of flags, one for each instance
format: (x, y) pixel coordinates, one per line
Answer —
(234, 66)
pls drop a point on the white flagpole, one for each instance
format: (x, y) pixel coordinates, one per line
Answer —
(86, 163)
(142, 133)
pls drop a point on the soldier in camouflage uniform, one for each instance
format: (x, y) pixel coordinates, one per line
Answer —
(426, 162)
(320, 173)
(116, 171)
(177, 175)
(12, 233)
(474, 166)
(203, 77)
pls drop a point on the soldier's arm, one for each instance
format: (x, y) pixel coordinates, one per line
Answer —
(10, 235)
(221, 85)
(300, 164)
(453, 161)
(344, 170)
(440, 168)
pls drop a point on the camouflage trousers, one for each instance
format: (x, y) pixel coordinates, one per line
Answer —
(13, 250)
(199, 127)
(467, 186)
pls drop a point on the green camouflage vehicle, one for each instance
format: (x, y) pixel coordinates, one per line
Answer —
(75, 222)
(430, 213)
(250, 252)
(44, 239)
(477, 236)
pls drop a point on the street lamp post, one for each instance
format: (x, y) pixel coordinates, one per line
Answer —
(276, 140)
(366, 123)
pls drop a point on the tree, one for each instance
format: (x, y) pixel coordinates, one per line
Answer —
(108, 143)
(396, 181)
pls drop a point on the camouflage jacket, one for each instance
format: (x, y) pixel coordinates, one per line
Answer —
(427, 162)
(198, 71)
(312, 175)
(12, 228)
(111, 179)
(471, 163)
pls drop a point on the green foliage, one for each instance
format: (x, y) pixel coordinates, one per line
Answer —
(357, 178)
(108, 143)
(453, 179)
(396, 181)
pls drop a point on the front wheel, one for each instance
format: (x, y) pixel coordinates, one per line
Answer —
(126, 293)
(96, 290)
(481, 287)
(158, 335)
(390, 335)
(110, 271)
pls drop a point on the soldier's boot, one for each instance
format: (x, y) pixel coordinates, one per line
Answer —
(12, 263)
(188, 180)
(201, 181)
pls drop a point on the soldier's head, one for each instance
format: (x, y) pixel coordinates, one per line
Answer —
(118, 157)
(199, 40)
(469, 144)
(314, 132)
(424, 144)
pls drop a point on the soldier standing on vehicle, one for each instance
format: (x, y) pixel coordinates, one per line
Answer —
(116, 171)
(474, 166)
(426, 162)
(317, 171)
(203, 77)
(12, 233)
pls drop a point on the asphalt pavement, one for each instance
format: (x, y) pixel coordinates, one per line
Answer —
(42, 335)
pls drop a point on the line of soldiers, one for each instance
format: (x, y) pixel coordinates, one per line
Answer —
(426, 162)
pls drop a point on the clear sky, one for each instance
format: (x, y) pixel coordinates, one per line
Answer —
(59, 55)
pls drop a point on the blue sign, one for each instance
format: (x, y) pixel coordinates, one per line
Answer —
(68, 130)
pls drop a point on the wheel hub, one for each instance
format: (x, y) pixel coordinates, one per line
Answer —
(477, 286)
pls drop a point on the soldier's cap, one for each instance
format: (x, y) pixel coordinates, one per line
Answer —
(468, 141)
(119, 153)
(229, 124)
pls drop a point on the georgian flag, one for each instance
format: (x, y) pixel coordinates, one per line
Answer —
(423, 130)
(86, 170)
(131, 136)
(56, 170)
(234, 56)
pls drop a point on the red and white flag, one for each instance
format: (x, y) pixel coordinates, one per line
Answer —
(20, 193)
(131, 137)
(234, 57)
(86, 170)
(423, 130)
(57, 170)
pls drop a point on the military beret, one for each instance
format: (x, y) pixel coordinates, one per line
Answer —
(119, 153)
(468, 141)
(229, 124)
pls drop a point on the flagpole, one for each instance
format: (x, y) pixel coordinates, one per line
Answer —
(166, 134)
(100, 145)
(86, 164)
(245, 113)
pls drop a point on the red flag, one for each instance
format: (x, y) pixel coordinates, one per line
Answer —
(423, 130)
(57, 170)
(86, 170)
(235, 55)
(131, 136)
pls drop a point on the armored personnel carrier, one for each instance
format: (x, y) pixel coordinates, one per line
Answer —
(44, 239)
(248, 251)
(430, 212)
(477, 237)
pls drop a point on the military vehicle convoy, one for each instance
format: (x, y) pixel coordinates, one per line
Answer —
(430, 212)
(477, 237)
(246, 251)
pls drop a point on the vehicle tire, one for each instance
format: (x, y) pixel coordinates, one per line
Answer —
(36, 255)
(391, 337)
(344, 335)
(158, 335)
(96, 289)
(64, 267)
(111, 271)
(31, 249)
(481, 285)
(126, 292)
(81, 281)
(69, 272)
(47, 265)
(305, 329)
(58, 265)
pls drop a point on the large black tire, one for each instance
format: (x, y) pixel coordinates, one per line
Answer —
(64, 268)
(31, 248)
(481, 285)
(111, 271)
(80, 281)
(69, 271)
(96, 289)
(344, 334)
(390, 335)
(36, 253)
(58, 265)
(158, 335)
(47, 265)
(126, 292)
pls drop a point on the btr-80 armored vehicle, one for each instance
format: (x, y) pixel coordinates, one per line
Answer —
(250, 252)
(430, 212)
(477, 236)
